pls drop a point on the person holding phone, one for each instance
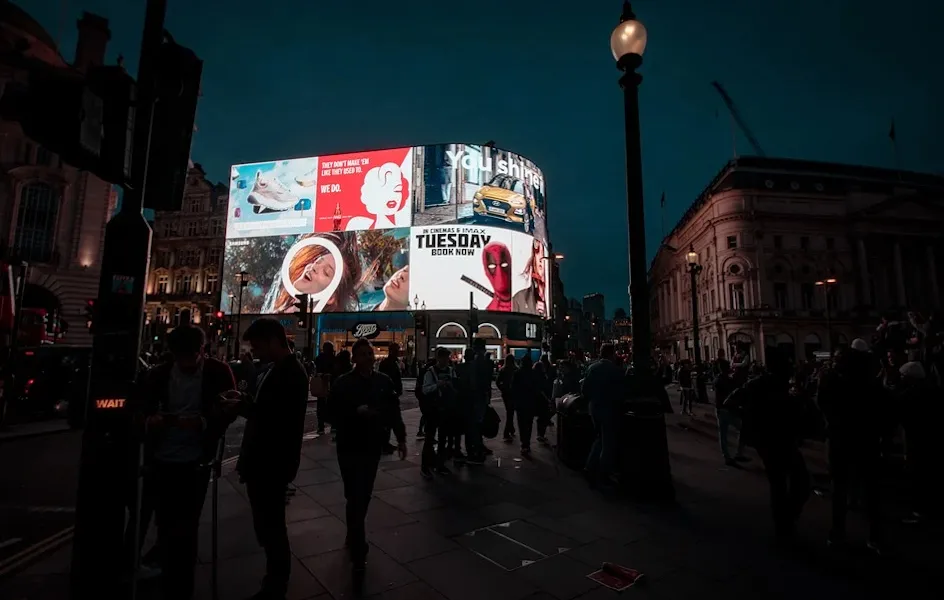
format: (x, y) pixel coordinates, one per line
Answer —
(185, 419)
(365, 406)
(272, 445)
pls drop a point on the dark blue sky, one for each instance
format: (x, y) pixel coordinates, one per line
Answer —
(817, 79)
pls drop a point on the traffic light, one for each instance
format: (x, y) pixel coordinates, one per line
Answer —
(219, 315)
(90, 315)
(178, 74)
(419, 324)
(301, 306)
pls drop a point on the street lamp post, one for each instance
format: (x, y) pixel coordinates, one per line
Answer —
(243, 279)
(825, 283)
(693, 270)
(628, 42)
(229, 339)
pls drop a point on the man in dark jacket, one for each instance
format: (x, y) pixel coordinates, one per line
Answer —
(364, 405)
(185, 421)
(604, 389)
(772, 423)
(271, 448)
(724, 385)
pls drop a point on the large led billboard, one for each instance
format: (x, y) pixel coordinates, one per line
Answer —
(383, 229)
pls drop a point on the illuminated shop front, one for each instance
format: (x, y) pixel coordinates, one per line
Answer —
(382, 329)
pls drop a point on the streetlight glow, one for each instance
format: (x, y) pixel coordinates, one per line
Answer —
(692, 255)
(629, 37)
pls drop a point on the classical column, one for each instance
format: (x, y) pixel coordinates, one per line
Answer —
(899, 274)
(679, 296)
(932, 268)
(865, 289)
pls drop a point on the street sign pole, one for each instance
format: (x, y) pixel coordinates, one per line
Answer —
(109, 475)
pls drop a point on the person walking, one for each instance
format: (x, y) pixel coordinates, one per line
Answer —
(271, 447)
(506, 376)
(324, 368)
(439, 405)
(724, 385)
(363, 405)
(390, 366)
(604, 388)
(185, 420)
(772, 424)
(526, 395)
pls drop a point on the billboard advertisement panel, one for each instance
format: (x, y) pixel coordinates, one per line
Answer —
(375, 230)
(502, 269)
(345, 271)
(479, 185)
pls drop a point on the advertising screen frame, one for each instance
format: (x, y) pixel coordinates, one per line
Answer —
(272, 220)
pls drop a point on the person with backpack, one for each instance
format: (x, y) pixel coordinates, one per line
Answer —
(439, 405)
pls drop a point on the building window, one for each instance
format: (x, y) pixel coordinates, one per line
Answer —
(780, 295)
(830, 243)
(704, 303)
(163, 258)
(186, 285)
(177, 285)
(36, 222)
(732, 242)
(213, 256)
(806, 295)
(218, 227)
(212, 281)
(778, 242)
(162, 282)
(170, 229)
(196, 204)
(193, 228)
(711, 306)
(737, 296)
(804, 242)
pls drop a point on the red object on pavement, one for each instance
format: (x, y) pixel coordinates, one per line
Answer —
(616, 577)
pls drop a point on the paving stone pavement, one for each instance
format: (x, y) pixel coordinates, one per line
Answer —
(531, 529)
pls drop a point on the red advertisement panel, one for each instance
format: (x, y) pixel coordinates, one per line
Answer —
(364, 190)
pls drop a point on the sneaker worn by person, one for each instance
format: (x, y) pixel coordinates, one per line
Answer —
(426, 472)
(509, 438)
(421, 436)
(475, 459)
(442, 471)
(542, 439)
(526, 451)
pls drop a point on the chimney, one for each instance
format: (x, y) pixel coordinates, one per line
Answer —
(93, 38)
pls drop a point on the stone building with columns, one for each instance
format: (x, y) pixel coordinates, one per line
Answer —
(187, 253)
(801, 255)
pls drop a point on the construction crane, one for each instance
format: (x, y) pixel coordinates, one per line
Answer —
(736, 118)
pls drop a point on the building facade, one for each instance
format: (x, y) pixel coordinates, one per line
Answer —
(187, 255)
(53, 215)
(798, 255)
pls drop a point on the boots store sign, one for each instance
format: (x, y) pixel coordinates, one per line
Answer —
(366, 331)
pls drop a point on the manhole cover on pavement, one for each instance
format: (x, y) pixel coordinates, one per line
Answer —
(514, 544)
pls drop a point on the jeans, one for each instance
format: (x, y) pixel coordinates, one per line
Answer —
(358, 471)
(789, 483)
(432, 456)
(602, 457)
(179, 493)
(509, 416)
(849, 463)
(321, 413)
(267, 501)
(473, 436)
(726, 419)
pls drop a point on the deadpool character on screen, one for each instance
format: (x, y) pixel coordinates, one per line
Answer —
(497, 261)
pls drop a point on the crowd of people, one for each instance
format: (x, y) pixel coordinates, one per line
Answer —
(863, 400)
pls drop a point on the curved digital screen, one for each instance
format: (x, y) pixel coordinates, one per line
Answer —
(390, 230)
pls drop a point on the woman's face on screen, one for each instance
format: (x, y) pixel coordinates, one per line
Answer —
(317, 275)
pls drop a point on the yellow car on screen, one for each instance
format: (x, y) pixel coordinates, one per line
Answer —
(503, 198)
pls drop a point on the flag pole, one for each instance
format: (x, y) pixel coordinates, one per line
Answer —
(894, 139)
(662, 214)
